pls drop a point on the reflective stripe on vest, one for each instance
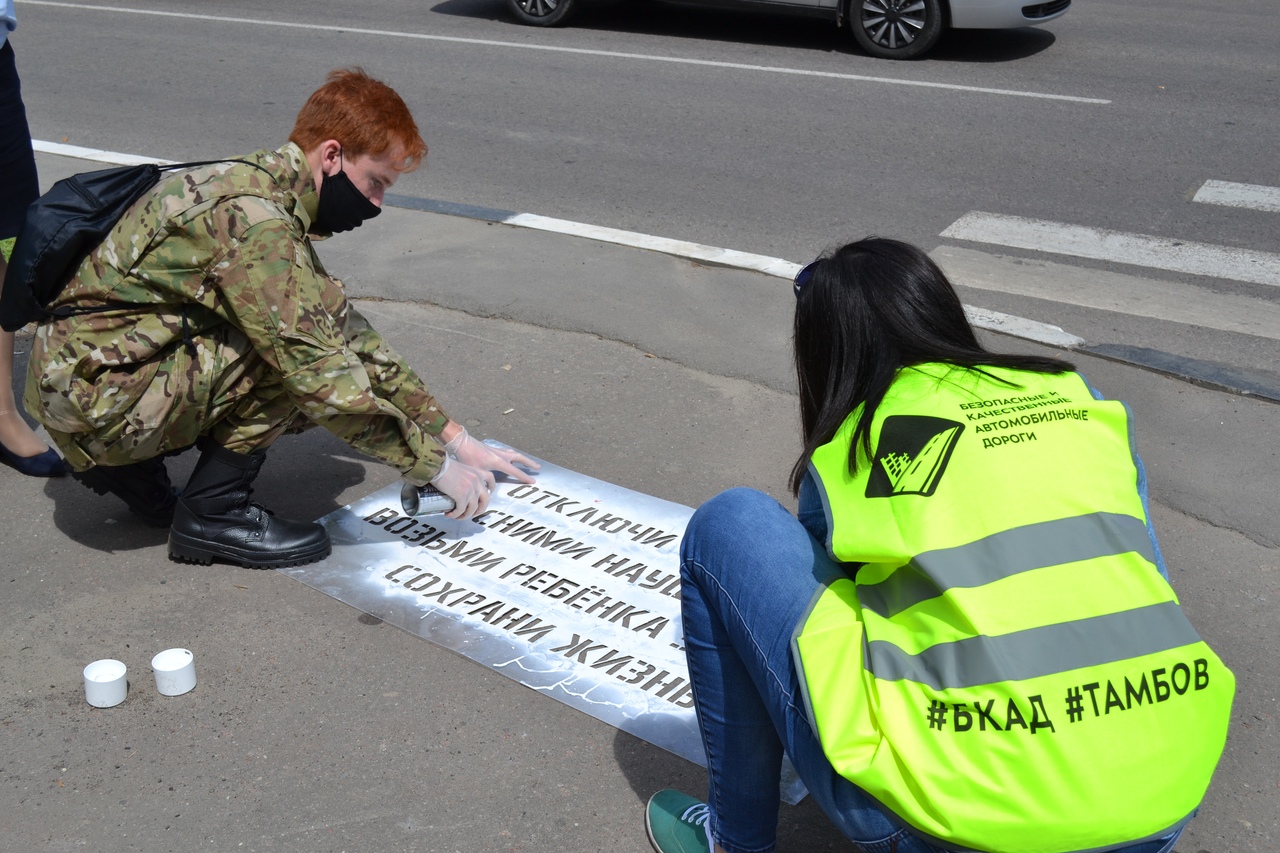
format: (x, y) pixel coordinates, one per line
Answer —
(1007, 670)
(1034, 546)
(1049, 650)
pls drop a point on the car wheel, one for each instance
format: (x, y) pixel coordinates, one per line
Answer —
(541, 13)
(896, 29)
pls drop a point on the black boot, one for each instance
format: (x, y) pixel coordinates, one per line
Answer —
(144, 486)
(215, 518)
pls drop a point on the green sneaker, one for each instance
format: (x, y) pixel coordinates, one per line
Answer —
(677, 823)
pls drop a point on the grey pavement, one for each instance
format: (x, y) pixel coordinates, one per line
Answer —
(315, 727)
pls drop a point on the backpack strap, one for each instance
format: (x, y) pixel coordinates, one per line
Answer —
(177, 167)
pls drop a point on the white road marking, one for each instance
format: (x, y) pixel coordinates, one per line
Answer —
(1230, 194)
(95, 154)
(694, 251)
(1079, 241)
(982, 318)
(1110, 291)
(992, 320)
(1021, 327)
(736, 66)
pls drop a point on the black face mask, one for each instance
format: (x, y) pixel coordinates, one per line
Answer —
(342, 206)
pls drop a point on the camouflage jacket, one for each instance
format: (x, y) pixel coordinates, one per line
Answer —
(227, 243)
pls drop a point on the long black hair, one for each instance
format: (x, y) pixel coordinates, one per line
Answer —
(863, 312)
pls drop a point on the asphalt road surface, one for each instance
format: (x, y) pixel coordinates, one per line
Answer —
(1112, 173)
(1090, 171)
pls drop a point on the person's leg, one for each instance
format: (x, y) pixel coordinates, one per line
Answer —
(744, 752)
(15, 434)
(224, 391)
(20, 447)
(126, 456)
(750, 571)
(215, 517)
(19, 180)
(19, 186)
(249, 408)
(229, 402)
(227, 398)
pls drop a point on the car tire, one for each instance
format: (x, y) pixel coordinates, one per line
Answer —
(896, 29)
(541, 13)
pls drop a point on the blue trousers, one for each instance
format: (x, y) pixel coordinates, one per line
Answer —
(749, 570)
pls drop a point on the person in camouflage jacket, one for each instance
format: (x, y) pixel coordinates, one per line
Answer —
(210, 320)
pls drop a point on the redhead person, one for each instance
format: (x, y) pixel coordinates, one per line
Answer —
(206, 318)
(966, 641)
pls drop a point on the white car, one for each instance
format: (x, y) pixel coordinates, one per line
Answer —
(893, 29)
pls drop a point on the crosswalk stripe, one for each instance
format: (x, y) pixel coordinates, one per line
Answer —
(1021, 327)
(1110, 291)
(1230, 194)
(1099, 244)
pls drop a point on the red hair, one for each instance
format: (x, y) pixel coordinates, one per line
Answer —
(364, 114)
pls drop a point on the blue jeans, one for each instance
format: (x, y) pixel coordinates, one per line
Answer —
(749, 570)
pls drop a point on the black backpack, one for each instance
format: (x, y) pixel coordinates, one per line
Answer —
(61, 228)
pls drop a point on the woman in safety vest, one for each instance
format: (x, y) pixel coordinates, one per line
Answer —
(967, 640)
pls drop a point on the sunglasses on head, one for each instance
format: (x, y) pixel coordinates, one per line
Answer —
(802, 277)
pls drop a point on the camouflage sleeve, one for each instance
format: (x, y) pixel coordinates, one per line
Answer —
(391, 376)
(358, 389)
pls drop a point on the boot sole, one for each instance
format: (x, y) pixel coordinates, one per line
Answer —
(184, 549)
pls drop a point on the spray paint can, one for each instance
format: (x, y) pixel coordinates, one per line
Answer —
(424, 500)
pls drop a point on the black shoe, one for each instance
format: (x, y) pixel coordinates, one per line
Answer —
(144, 486)
(214, 519)
(46, 464)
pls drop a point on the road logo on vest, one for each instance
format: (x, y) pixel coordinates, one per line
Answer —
(912, 455)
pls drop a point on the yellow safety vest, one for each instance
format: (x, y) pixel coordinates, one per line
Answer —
(1007, 671)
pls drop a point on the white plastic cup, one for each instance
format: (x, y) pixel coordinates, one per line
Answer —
(104, 683)
(175, 671)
